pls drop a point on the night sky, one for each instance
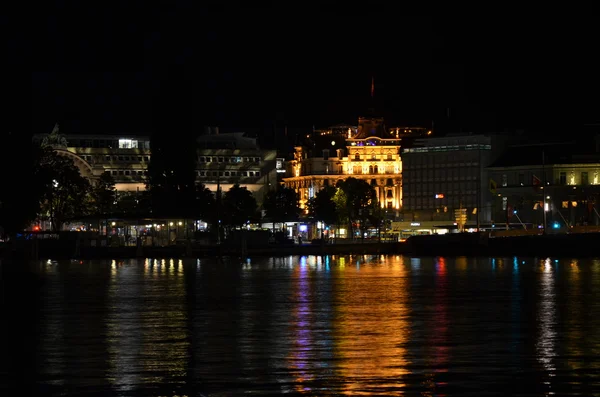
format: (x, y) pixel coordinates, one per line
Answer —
(138, 70)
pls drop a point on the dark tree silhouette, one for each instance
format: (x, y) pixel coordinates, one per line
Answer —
(281, 205)
(238, 206)
(360, 199)
(322, 207)
(66, 193)
(205, 204)
(103, 195)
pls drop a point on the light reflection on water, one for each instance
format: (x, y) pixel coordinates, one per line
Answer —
(372, 351)
(335, 325)
(545, 344)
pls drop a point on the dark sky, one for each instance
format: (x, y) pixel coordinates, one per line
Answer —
(179, 67)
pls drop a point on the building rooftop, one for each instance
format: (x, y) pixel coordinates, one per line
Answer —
(231, 140)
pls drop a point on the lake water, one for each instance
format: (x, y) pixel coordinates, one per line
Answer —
(353, 325)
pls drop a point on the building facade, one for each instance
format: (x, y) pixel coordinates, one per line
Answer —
(126, 159)
(226, 159)
(446, 174)
(368, 152)
(551, 189)
(223, 160)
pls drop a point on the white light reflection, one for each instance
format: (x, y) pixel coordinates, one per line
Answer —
(415, 265)
(123, 325)
(52, 328)
(545, 345)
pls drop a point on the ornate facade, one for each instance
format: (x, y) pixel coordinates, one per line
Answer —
(371, 153)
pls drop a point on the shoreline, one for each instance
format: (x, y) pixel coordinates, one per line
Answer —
(460, 244)
(61, 252)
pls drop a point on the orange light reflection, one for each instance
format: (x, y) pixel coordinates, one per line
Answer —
(372, 330)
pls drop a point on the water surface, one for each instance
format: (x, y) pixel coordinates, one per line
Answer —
(353, 325)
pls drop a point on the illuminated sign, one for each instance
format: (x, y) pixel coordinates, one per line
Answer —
(415, 224)
(439, 196)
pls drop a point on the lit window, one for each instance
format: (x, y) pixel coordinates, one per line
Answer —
(128, 144)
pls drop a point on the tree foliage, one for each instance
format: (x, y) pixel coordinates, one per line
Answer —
(360, 201)
(340, 201)
(205, 204)
(65, 192)
(104, 196)
(281, 205)
(238, 206)
(323, 207)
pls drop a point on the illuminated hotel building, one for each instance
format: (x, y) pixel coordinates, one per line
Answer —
(125, 158)
(370, 152)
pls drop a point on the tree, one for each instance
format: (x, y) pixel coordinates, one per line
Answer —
(340, 201)
(281, 205)
(65, 191)
(322, 207)
(104, 195)
(376, 216)
(205, 204)
(238, 206)
(127, 204)
(360, 198)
